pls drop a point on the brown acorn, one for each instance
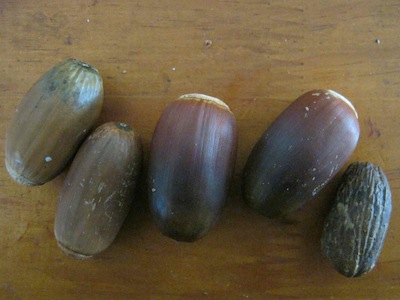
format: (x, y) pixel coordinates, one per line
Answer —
(192, 158)
(52, 120)
(300, 152)
(98, 190)
(355, 229)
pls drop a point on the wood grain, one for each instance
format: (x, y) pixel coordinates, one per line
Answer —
(262, 56)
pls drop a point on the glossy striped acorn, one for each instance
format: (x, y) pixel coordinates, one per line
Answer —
(98, 190)
(300, 152)
(356, 225)
(52, 120)
(193, 152)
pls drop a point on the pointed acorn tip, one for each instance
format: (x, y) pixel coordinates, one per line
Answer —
(344, 99)
(202, 97)
(123, 126)
(81, 64)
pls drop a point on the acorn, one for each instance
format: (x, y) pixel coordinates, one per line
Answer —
(300, 152)
(192, 158)
(356, 227)
(98, 190)
(52, 120)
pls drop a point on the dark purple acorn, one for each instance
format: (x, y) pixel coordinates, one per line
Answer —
(192, 158)
(357, 223)
(300, 152)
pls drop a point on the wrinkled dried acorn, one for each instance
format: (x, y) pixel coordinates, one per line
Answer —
(98, 190)
(192, 158)
(300, 152)
(52, 120)
(357, 223)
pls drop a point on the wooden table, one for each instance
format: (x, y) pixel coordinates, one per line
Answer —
(258, 56)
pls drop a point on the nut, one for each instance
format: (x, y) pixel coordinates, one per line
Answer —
(98, 190)
(357, 223)
(192, 159)
(300, 152)
(52, 120)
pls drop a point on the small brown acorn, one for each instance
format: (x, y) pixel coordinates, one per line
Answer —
(356, 226)
(98, 190)
(300, 152)
(52, 120)
(192, 159)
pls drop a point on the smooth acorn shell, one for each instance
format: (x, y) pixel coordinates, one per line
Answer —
(300, 152)
(98, 190)
(52, 120)
(192, 158)
(356, 226)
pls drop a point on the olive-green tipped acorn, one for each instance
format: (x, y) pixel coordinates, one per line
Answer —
(192, 158)
(52, 120)
(356, 225)
(98, 190)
